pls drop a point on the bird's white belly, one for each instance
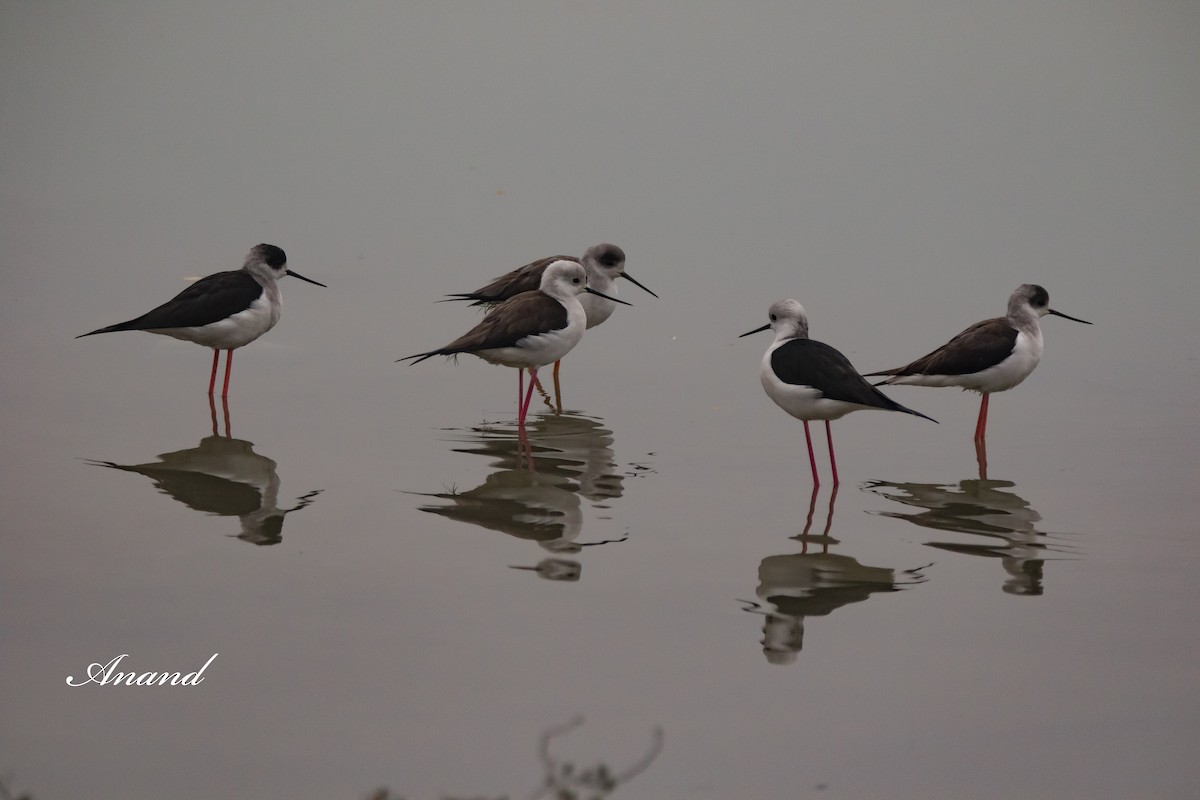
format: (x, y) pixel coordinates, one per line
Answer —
(802, 402)
(1026, 354)
(537, 350)
(232, 332)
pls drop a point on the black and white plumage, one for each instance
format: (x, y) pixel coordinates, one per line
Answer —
(224, 311)
(990, 356)
(811, 380)
(531, 329)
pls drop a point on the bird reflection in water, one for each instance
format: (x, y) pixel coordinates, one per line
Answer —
(224, 477)
(979, 508)
(814, 584)
(539, 495)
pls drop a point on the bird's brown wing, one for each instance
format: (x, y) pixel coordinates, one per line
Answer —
(523, 279)
(526, 314)
(984, 344)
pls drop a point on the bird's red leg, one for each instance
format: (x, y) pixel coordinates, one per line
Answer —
(228, 367)
(212, 381)
(557, 390)
(528, 398)
(832, 460)
(981, 458)
(533, 377)
(812, 459)
(981, 425)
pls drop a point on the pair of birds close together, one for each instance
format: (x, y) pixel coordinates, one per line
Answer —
(538, 313)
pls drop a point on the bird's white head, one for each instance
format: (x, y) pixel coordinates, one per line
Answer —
(268, 263)
(266, 260)
(788, 321)
(605, 259)
(1033, 301)
(1029, 296)
(605, 263)
(565, 279)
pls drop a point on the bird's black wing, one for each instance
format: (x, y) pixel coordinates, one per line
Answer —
(206, 301)
(805, 362)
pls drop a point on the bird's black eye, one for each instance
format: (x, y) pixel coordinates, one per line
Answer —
(575, 281)
(774, 318)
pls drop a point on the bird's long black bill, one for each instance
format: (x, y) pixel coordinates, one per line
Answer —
(295, 274)
(756, 330)
(1064, 316)
(606, 297)
(630, 278)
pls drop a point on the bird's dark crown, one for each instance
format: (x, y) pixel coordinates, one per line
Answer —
(272, 256)
(610, 255)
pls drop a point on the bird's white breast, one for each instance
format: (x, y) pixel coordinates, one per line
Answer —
(539, 349)
(1027, 352)
(235, 331)
(802, 402)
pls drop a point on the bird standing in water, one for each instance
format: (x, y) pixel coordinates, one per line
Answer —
(604, 264)
(224, 311)
(529, 330)
(990, 356)
(810, 380)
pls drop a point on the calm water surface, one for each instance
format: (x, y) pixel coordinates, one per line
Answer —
(655, 593)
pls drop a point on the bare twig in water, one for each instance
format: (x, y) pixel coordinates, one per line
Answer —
(565, 782)
(562, 780)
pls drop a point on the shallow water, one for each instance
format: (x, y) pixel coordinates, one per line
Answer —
(399, 597)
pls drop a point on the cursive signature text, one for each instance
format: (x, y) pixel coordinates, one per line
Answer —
(106, 674)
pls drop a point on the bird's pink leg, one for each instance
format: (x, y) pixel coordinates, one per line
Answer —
(812, 459)
(981, 458)
(981, 425)
(557, 390)
(832, 460)
(212, 381)
(528, 398)
(228, 367)
(520, 389)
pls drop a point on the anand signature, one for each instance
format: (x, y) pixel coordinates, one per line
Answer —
(108, 674)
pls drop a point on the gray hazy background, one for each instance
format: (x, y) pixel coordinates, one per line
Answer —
(899, 168)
